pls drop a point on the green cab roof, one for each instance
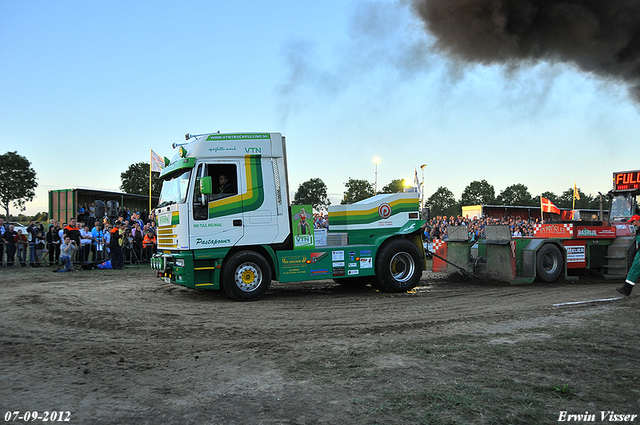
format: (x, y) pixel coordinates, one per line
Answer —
(181, 164)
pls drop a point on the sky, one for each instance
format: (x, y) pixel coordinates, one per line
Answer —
(89, 88)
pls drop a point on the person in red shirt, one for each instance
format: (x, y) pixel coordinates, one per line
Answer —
(21, 247)
(149, 245)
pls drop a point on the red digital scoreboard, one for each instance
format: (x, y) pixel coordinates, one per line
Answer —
(627, 180)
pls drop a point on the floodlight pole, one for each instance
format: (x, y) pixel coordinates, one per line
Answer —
(376, 160)
(422, 167)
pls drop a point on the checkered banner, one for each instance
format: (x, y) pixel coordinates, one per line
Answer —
(559, 230)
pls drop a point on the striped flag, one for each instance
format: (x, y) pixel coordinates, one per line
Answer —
(157, 163)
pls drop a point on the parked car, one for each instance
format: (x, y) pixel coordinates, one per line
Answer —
(18, 226)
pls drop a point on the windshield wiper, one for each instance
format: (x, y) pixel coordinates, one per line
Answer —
(166, 203)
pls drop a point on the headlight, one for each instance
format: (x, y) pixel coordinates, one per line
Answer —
(179, 262)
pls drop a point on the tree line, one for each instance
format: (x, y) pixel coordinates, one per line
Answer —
(18, 183)
(442, 201)
(314, 192)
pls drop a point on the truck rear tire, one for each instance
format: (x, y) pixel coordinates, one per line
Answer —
(549, 263)
(398, 267)
(246, 276)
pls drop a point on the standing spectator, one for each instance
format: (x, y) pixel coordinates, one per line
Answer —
(92, 213)
(67, 251)
(125, 213)
(149, 245)
(117, 235)
(86, 240)
(53, 245)
(2, 242)
(22, 243)
(106, 236)
(61, 232)
(80, 213)
(10, 241)
(634, 270)
(136, 219)
(41, 250)
(72, 230)
(33, 234)
(138, 238)
(98, 243)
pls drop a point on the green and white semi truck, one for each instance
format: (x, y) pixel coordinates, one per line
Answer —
(224, 222)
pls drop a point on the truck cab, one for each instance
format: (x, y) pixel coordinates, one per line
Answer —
(224, 222)
(624, 196)
(249, 207)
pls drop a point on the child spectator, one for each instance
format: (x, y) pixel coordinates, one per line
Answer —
(41, 250)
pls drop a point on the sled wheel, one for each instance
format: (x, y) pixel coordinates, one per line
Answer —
(398, 267)
(549, 263)
(246, 276)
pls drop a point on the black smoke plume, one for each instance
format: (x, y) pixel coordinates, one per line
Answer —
(601, 37)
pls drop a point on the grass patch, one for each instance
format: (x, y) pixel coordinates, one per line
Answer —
(462, 379)
(346, 366)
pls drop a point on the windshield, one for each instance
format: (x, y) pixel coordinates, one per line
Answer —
(623, 207)
(174, 191)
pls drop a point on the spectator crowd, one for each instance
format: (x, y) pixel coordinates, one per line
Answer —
(320, 221)
(436, 228)
(130, 239)
(91, 240)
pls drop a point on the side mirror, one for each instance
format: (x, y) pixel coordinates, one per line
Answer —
(206, 188)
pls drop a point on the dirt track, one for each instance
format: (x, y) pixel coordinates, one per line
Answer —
(124, 347)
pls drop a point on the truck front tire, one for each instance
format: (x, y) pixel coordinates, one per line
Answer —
(246, 276)
(398, 267)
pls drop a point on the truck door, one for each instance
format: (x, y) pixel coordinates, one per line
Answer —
(215, 221)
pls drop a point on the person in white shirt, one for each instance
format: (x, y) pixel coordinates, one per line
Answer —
(86, 238)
